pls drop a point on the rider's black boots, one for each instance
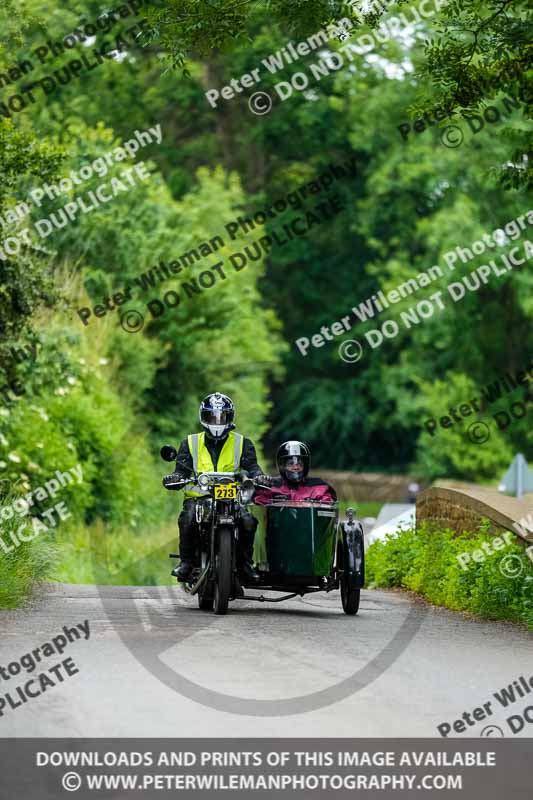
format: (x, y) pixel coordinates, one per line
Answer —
(183, 572)
(249, 574)
(245, 562)
(187, 543)
(245, 552)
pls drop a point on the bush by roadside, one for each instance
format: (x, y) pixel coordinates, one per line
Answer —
(425, 561)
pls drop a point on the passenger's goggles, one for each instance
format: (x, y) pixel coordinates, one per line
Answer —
(293, 462)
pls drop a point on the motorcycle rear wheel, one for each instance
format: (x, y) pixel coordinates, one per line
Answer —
(224, 570)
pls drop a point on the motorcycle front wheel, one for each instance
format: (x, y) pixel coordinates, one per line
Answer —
(206, 597)
(224, 570)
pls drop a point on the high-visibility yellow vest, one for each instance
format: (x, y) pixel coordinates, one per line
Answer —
(229, 459)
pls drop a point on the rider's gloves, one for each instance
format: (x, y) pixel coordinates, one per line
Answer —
(174, 478)
(241, 475)
(265, 480)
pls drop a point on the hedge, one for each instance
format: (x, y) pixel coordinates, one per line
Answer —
(425, 561)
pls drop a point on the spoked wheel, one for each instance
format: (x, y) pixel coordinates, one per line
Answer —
(350, 597)
(224, 569)
(206, 597)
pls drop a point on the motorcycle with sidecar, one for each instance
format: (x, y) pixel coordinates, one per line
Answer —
(299, 548)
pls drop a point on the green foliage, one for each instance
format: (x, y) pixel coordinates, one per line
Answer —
(478, 50)
(22, 566)
(481, 49)
(109, 399)
(452, 452)
(94, 554)
(25, 278)
(99, 396)
(425, 561)
(194, 27)
(74, 412)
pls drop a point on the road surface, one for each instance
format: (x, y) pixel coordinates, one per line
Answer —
(450, 664)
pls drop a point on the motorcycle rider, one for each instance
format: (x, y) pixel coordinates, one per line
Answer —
(293, 459)
(217, 449)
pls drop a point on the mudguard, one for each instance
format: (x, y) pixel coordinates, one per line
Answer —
(353, 545)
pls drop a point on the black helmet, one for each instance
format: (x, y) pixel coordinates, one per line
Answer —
(293, 461)
(217, 413)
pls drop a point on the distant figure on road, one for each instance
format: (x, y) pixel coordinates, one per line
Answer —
(293, 461)
(412, 492)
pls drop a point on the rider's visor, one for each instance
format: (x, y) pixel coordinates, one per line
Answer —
(217, 417)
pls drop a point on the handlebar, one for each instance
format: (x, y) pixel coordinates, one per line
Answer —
(171, 482)
(174, 481)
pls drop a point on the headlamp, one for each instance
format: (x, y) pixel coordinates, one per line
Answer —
(203, 482)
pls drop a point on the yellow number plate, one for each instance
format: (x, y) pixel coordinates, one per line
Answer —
(227, 491)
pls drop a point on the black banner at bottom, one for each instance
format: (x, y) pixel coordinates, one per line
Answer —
(42, 769)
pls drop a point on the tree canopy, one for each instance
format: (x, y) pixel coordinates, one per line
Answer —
(408, 201)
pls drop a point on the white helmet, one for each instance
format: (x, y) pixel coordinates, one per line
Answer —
(217, 413)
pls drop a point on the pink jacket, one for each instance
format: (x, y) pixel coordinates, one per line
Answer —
(312, 488)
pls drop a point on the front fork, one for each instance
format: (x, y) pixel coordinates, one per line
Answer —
(353, 554)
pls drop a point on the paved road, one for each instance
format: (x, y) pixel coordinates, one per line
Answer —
(259, 652)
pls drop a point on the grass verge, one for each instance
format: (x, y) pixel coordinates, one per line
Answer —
(24, 558)
(121, 557)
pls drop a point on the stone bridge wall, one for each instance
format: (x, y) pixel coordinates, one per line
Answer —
(463, 508)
